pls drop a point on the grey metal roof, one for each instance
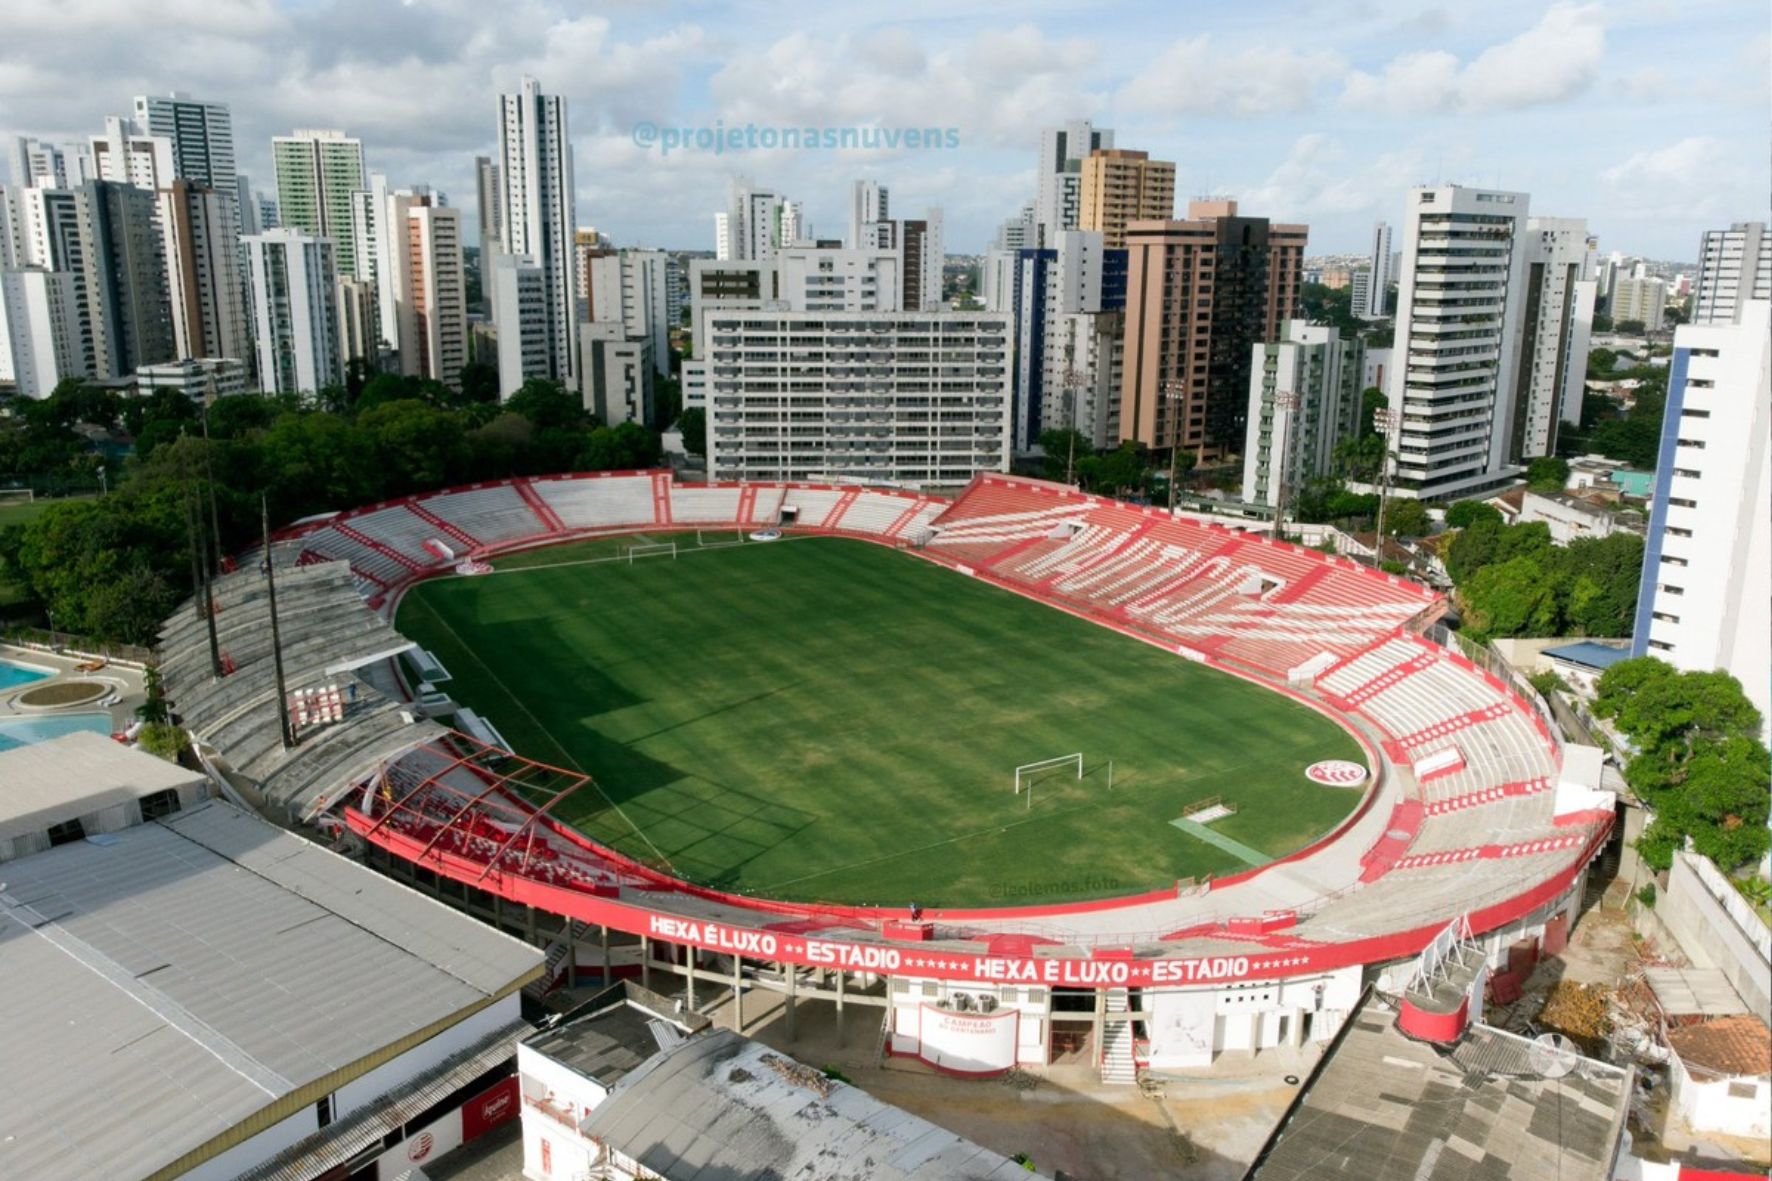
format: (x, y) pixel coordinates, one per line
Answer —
(77, 774)
(1383, 1107)
(720, 1107)
(613, 1033)
(182, 975)
(1589, 654)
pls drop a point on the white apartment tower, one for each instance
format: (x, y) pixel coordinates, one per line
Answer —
(1642, 299)
(1555, 324)
(486, 195)
(38, 164)
(536, 221)
(434, 334)
(1378, 286)
(632, 288)
(295, 311)
(869, 204)
(1304, 398)
(39, 330)
(201, 134)
(1706, 581)
(757, 224)
(519, 292)
(1734, 266)
(126, 158)
(1058, 201)
(1459, 309)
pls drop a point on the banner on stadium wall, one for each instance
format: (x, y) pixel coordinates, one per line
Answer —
(493, 1106)
(1107, 968)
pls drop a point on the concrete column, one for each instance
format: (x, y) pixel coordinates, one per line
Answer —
(842, 1040)
(646, 963)
(529, 923)
(689, 977)
(737, 994)
(605, 941)
(1295, 1032)
(793, 985)
(1098, 1044)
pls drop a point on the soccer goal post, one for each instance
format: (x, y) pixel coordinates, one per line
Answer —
(1025, 774)
(653, 550)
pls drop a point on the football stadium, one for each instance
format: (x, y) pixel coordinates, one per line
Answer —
(1023, 772)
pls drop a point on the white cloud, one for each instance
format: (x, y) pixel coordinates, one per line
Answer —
(1555, 59)
(1319, 179)
(1195, 76)
(1697, 178)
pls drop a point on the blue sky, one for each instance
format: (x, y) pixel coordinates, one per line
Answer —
(1649, 118)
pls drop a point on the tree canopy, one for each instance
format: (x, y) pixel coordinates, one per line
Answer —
(115, 567)
(1700, 764)
(1511, 581)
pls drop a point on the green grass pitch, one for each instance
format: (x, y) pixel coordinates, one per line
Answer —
(829, 720)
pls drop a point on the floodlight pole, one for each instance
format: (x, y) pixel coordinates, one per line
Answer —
(282, 703)
(1384, 418)
(1173, 389)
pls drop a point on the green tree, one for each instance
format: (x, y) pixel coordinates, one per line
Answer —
(1057, 447)
(1700, 765)
(1469, 512)
(548, 404)
(1517, 597)
(479, 382)
(693, 423)
(1629, 328)
(416, 445)
(1407, 518)
(1547, 474)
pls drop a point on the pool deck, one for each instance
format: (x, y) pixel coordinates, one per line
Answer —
(126, 680)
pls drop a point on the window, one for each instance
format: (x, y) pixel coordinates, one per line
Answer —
(1690, 412)
(160, 803)
(1698, 443)
(1744, 1089)
(67, 832)
(323, 1110)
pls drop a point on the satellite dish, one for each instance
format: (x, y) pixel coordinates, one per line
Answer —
(1552, 1055)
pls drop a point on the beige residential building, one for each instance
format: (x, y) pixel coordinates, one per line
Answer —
(1200, 294)
(1120, 186)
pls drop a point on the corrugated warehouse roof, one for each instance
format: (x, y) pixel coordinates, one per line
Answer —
(163, 983)
(720, 1106)
(1383, 1107)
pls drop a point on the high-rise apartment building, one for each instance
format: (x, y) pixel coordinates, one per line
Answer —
(295, 311)
(922, 257)
(1041, 288)
(1734, 266)
(1379, 282)
(1059, 196)
(1459, 309)
(519, 291)
(617, 374)
(1018, 232)
(317, 173)
(1556, 322)
(126, 158)
(201, 134)
(1359, 287)
(1640, 300)
(39, 164)
(122, 276)
(39, 330)
(437, 345)
(631, 288)
(818, 279)
(1200, 293)
(1702, 603)
(486, 198)
(1304, 398)
(869, 213)
(915, 398)
(203, 287)
(536, 222)
(757, 224)
(1120, 186)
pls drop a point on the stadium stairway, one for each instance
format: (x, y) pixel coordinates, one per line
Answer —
(1118, 1067)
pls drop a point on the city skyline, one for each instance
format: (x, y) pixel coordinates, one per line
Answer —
(1642, 119)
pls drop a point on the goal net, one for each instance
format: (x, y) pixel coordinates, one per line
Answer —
(1028, 773)
(657, 549)
(716, 538)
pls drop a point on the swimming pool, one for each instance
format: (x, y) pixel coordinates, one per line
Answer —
(13, 675)
(15, 732)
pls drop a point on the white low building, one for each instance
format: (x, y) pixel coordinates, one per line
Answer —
(197, 378)
(1722, 1076)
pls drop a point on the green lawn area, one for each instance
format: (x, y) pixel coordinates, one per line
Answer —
(824, 719)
